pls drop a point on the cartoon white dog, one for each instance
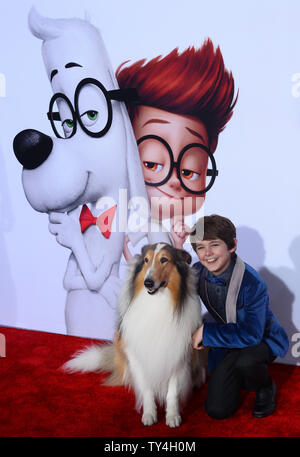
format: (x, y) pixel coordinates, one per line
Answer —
(77, 174)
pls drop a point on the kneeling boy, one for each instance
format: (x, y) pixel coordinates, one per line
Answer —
(245, 336)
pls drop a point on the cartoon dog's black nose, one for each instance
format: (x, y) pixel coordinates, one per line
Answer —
(32, 148)
(149, 283)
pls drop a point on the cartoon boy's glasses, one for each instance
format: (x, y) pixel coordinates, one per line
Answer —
(158, 163)
(92, 109)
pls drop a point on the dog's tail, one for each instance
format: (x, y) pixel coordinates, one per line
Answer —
(103, 358)
(91, 358)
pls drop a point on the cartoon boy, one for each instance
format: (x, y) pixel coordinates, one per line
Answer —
(185, 101)
(245, 336)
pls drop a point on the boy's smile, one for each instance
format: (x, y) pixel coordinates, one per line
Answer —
(214, 254)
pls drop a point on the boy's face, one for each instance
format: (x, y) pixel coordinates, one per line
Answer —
(214, 254)
(178, 131)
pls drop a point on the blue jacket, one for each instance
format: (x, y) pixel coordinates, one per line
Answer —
(248, 314)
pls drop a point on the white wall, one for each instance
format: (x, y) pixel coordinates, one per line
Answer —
(257, 156)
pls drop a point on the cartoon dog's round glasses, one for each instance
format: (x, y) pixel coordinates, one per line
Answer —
(158, 163)
(92, 109)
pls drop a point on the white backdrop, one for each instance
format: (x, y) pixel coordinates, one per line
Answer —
(257, 156)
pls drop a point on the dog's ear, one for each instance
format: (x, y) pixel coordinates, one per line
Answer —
(145, 249)
(183, 256)
(138, 261)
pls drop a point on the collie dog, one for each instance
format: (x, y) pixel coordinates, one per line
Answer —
(159, 309)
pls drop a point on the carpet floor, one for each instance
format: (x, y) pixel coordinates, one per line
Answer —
(37, 399)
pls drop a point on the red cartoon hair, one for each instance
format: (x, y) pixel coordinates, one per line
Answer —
(194, 83)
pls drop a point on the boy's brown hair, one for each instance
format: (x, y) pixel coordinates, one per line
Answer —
(213, 227)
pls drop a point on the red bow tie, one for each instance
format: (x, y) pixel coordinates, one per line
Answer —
(103, 222)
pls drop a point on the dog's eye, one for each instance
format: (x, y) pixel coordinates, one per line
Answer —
(89, 118)
(146, 260)
(163, 260)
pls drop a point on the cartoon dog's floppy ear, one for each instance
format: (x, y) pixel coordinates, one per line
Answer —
(137, 187)
(135, 174)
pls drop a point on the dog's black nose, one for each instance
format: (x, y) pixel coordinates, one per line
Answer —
(149, 283)
(32, 148)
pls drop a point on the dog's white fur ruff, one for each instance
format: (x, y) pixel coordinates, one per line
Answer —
(158, 347)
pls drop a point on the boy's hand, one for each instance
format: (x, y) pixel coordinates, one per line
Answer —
(179, 232)
(197, 338)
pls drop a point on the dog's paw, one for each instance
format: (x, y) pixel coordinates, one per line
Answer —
(149, 418)
(173, 420)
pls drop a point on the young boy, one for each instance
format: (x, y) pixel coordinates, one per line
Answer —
(245, 336)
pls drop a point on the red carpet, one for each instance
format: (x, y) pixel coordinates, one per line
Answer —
(37, 399)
